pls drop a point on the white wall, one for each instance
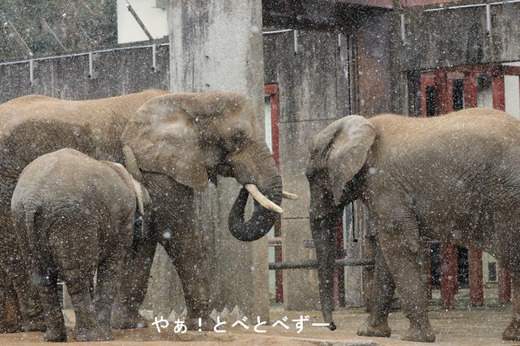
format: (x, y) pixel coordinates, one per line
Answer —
(512, 89)
(154, 18)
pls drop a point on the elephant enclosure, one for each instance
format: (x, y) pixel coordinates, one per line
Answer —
(478, 326)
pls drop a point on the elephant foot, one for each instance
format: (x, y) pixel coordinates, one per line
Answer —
(381, 330)
(55, 335)
(419, 335)
(131, 320)
(420, 329)
(204, 324)
(11, 328)
(10, 316)
(96, 334)
(512, 332)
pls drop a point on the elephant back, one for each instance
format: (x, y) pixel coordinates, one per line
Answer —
(34, 125)
(67, 179)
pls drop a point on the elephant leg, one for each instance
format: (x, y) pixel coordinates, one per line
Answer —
(14, 266)
(509, 260)
(512, 332)
(134, 284)
(77, 257)
(108, 278)
(48, 289)
(10, 315)
(400, 245)
(180, 235)
(187, 257)
(383, 289)
(87, 326)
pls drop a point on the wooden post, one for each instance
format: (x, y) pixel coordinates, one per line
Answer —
(339, 272)
(475, 277)
(504, 286)
(448, 274)
(428, 269)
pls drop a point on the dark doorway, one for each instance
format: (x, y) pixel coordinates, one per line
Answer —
(435, 265)
(462, 266)
(458, 94)
(430, 101)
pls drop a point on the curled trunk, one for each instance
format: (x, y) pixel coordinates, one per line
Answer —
(262, 219)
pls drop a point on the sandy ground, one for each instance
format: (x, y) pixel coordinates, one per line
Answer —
(462, 326)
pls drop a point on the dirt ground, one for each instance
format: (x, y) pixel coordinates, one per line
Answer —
(462, 326)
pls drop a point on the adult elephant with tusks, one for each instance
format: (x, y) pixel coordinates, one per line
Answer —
(453, 178)
(174, 144)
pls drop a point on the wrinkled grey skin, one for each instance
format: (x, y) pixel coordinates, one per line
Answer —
(74, 215)
(454, 178)
(173, 144)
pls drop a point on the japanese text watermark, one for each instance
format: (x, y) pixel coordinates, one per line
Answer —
(179, 325)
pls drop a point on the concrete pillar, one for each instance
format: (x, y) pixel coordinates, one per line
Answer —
(217, 45)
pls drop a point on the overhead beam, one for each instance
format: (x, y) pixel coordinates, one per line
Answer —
(369, 3)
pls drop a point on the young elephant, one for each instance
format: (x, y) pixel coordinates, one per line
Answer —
(74, 215)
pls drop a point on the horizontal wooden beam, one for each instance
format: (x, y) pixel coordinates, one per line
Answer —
(370, 3)
(390, 3)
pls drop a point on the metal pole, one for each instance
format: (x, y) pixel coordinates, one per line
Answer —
(488, 19)
(31, 71)
(19, 37)
(90, 65)
(295, 36)
(55, 36)
(138, 20)
(154, 58)
(314, 264)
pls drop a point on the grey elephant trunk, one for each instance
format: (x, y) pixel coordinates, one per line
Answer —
(324, 234)
(262, 219)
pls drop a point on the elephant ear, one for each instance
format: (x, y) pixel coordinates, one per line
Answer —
(163, 138)
(344, 146)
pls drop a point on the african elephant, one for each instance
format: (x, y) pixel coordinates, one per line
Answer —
(174, 144)
(74, 215)
(454, 178)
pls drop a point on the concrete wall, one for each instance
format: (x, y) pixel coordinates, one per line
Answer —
(115, 72)
(459, 37)
(313, 92)
(375, 66)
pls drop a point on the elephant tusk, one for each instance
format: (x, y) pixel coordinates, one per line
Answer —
(288, 195)
(260, 198)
